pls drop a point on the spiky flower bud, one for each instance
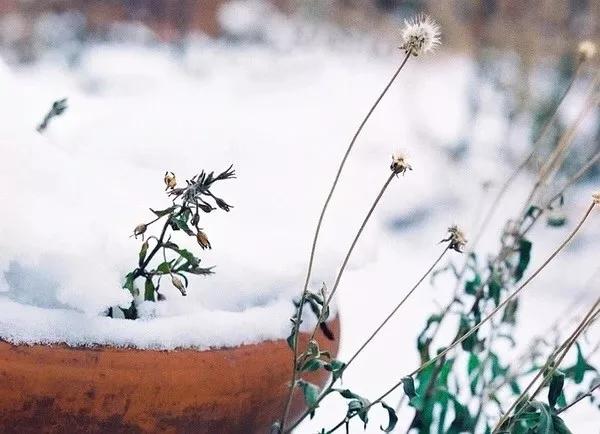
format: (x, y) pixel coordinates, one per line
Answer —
(456, 237)
(399, 164)
(596, 198)
(177, 283)
(586, 50)
(420, 35)
(203, 240)
(170, 180)
(139, 230)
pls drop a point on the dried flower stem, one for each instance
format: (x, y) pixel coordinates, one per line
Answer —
(555, 359)
(393, 312)
(493, 312)
(585, 395)
(316, 237)
(351, 249)
(536, 147)
(338, 279)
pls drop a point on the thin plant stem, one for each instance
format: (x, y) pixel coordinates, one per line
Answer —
(327, 390)
(398, 306)
(351, 249)
(296, 326)
(578, 399)
(552, 360)
(339, 277)
(496, 310)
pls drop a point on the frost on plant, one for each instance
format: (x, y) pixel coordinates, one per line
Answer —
(175, 263)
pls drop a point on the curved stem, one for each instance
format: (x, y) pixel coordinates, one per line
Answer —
(316, 237)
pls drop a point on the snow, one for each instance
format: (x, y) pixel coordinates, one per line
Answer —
(72, 196)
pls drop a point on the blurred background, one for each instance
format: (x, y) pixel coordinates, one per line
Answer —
(277, 87)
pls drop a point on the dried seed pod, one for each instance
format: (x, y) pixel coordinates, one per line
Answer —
(177, 283)
(456, 237)
(139, 230)
(170, 180)
(203, 240)
(596, 198)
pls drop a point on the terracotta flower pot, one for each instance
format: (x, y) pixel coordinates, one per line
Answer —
(61, 389)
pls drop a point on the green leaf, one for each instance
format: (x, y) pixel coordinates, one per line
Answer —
(149, 290)
(494, 289)
(473, 371)
(524, 258)
(164, 268)
(556, 385)
(290, 340)
(163, 212)
(408, 384)
(472, 286)
(578, 370)
(143, 251)
(311, 365)
(393, 418)
(509, 315)
(559, 426)
(336, 367)
(189, 257)
(310, 392)
(514, 386)
(545, 424)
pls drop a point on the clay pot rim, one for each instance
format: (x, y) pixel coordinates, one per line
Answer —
(131, 348)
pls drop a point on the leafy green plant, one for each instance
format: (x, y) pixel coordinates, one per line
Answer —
(174, 263)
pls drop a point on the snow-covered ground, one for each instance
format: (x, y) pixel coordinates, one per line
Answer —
(72, 196)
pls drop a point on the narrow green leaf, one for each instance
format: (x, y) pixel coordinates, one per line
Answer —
(408, 384)
(393, 418)
(149, 290)
(524, 258)
(556, 385)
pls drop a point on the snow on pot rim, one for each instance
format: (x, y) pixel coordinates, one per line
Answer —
(23, 324)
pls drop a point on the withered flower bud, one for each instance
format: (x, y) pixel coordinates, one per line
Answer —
(222, 204)
(139, 230)
(177, 283)
(170, 180)
(195, 219)
(456, 237)
(203, 240)
(399, 164)
(160, 296)
(205, 207)
(596, 198)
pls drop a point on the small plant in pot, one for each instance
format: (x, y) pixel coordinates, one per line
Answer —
(160, 257)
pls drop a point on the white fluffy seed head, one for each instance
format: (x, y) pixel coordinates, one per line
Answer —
(420, 35)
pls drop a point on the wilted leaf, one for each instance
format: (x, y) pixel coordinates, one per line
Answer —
(149, 290)
(393, 418)
(408, 384)
(524, 258)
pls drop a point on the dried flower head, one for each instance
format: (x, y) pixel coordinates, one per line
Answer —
(399, 164)
(420, 35)
(139, 230)
(203, 240)
(456, 237)
(596, 198)
(170, 180)
(586, 50)
(177, 283)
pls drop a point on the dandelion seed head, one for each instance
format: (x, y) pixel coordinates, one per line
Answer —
(420, 35)
(587, 50)
(399, 164)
